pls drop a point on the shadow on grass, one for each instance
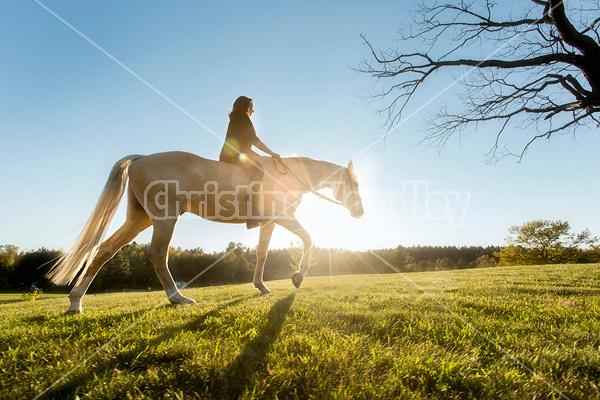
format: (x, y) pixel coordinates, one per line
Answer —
(76, 384)
(10, 301)
(252, 360)
(79, 321)
(19, 299)
(232, 381)
(560, 291)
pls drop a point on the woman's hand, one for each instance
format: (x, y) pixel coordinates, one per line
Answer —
(263, 147)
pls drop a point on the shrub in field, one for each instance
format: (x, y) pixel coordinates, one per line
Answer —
(32, 295)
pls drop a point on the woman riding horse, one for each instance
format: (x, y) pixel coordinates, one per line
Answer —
(237, 148)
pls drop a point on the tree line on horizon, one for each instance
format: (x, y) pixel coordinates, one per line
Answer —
(130, 268)
(533, 243)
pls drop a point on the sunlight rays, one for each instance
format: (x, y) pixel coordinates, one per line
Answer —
(369, 266)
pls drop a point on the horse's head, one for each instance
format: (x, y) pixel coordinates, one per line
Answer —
(346, 191)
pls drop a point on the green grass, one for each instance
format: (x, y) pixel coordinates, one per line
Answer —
(14, 297)
(368, 336)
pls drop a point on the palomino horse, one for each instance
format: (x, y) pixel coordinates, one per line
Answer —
(165, 185)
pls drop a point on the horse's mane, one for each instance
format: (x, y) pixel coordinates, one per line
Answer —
(310, 160)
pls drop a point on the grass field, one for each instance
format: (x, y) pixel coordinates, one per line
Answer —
(368, 336)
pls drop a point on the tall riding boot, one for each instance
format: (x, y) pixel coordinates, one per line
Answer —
(254, 218)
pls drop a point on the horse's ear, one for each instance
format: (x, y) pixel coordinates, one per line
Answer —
(351, 171)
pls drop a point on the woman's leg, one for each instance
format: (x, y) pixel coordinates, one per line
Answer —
(256, 175)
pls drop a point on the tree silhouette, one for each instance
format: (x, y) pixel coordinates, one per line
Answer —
(539, 71)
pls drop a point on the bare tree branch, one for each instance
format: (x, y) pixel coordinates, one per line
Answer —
(542, 72)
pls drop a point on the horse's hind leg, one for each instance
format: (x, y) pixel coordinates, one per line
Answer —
(137, 220)
(266, 230)
(159, 255)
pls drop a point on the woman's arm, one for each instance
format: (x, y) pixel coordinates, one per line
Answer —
(263, 147)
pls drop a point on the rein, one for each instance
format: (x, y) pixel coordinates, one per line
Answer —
(319, 195)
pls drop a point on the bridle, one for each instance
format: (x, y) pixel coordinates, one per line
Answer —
(319, 195)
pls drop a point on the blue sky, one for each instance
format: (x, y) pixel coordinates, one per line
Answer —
(68, 113)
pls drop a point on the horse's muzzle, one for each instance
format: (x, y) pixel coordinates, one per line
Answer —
(357, 213)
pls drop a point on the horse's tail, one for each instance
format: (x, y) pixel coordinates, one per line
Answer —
(81, 255)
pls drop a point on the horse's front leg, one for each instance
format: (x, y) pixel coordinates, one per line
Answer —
(266, 230)
(292, 225)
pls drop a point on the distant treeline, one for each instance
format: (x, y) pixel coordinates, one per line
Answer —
(131, 268)
(532, 243)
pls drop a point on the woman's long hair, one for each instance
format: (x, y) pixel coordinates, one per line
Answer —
(241, 105)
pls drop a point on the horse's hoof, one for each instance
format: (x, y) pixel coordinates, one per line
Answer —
(297, 279)
(262, 288)
(73, 311)
(182, 300)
